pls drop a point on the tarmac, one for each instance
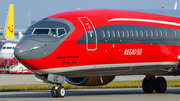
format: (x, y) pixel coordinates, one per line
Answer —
(116, 94)
(124, 94)
(12, 79)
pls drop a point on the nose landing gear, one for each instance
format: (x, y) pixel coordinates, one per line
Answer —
(150, 83)
(58, 91)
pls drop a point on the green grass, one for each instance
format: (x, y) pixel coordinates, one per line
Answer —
(114, 84)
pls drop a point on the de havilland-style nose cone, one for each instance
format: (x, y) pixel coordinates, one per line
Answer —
(25, 49)
(35, 47)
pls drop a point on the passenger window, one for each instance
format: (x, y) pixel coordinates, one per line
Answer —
(146, 33)
(165, 33)
(112, 33)
(107, 33)
(61, 32)
(160, 33)
(156, 33)
(41, 31)
(136, 33)
(174, 33)
(4, 47)
(151, 33)
(9, 47)
(117, 33)
(102, 33)
(122, 33)
(141, 33)
(131, 33)
(127, 33)
(53, 33)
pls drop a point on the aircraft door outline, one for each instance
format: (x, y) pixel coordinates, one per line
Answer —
(91, 36)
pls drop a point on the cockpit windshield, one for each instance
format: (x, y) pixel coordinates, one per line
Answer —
(29, 31)
(61, 32)
(55, 32)
(54, 27)
(41, 31)
(58, 32)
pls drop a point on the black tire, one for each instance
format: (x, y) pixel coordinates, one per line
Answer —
(54, 92)
(61, 92)
(160, 85)
(147, 86)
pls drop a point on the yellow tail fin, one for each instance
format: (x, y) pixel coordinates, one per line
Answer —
(9, 27)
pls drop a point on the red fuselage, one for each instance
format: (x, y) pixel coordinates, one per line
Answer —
(103, 42)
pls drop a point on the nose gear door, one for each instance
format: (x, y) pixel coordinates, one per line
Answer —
(91, 36)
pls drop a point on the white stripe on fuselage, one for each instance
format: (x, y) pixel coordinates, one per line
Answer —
(145, 20)
(102, 66)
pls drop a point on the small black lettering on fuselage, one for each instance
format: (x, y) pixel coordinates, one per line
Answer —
(68, 62)
(61, 57)
(63, 62)
(68, 57)
(73, 62)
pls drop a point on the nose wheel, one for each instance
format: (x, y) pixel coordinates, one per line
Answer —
(58, 91)
(150, 83)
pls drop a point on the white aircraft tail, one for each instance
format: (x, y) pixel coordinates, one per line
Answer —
(175, 6)
(20, 34)
(9, 26)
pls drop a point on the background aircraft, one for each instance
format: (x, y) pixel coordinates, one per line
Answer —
(7, 51)
(10, 38)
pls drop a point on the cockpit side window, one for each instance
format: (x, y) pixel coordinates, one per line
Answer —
(9, 47)
(61, 32)
(29, 31)
(53, 33)
(41, 31)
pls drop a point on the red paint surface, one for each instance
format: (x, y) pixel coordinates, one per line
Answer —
(105, 53)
